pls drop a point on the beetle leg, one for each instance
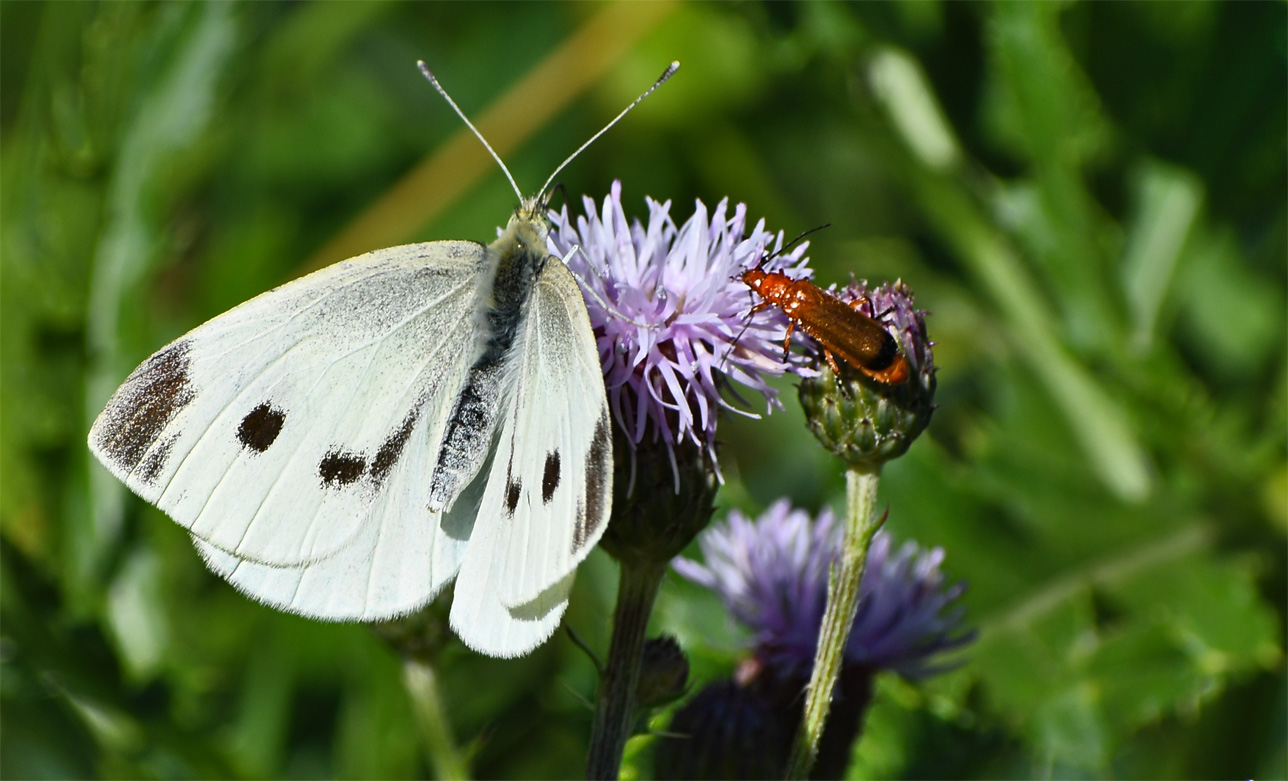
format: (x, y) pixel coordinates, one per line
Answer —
(858, 303)
(832, 362)
(787, 342)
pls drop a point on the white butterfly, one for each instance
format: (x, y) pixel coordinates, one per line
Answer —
(321, 442)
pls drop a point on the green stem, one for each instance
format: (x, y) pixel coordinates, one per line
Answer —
(427, 704)
(615, 705)
(861, 524)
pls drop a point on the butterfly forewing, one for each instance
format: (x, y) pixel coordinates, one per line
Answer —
(274, 430)
(560, 405)
(550, 482)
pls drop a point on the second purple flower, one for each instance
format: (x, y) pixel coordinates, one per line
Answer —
(671, 322)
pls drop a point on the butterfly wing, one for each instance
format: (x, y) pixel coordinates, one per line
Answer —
(300, 425)
(549, 487)
(395, 565)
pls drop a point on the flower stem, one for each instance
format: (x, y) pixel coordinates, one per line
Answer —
(615, 705)
(861, 524)
(427, 704)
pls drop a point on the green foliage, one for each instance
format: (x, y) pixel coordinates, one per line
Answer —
(1088, 197)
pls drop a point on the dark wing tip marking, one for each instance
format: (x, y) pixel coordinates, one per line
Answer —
(550, 477)
(143, 406)
(260, 427)
(338, 469)
(389, 453)
(592, 513)
(155, 460)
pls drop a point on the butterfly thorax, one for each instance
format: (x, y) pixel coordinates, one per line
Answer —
(519, 254)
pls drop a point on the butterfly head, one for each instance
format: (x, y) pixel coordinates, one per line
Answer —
(530, 225)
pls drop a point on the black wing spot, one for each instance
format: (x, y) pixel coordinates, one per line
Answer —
(594, 510)
(513, 488)
(260, 427)
(339, 469)
(144, 405)
(550, 478)
(392, 449)
(512, 492)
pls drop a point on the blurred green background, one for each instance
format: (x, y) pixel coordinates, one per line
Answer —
(1089, 198)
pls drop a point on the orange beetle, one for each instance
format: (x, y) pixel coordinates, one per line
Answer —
(840, 328)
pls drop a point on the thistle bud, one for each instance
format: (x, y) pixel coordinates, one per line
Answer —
(659, 505)
(863, 420)
(664, 673)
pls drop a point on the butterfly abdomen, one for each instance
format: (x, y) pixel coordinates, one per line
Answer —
(468, 435)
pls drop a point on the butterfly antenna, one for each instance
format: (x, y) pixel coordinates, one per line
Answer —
(666, 74)
(433, 80)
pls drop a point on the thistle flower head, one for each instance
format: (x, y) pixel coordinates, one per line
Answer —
(671, 315)
(772, 575)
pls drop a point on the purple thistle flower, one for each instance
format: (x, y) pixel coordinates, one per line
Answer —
(675, 329)
(772, 575)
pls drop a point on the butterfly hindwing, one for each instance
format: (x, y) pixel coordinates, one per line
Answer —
(549, 487)
(396, 564)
